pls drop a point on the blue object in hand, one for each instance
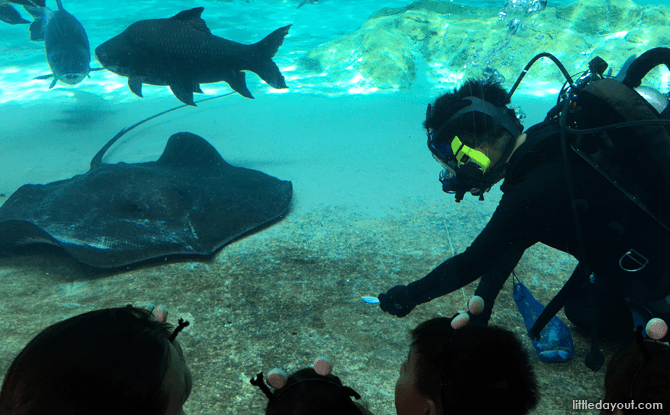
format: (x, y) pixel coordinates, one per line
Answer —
(555, 343)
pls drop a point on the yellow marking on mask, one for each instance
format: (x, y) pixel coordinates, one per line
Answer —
(465, 154)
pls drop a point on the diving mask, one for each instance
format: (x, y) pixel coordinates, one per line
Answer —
(459, 153)
(457, 157)
(462, 172)
(466, 167)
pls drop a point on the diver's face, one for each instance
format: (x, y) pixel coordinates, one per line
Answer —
(178, 380)
(408, 400)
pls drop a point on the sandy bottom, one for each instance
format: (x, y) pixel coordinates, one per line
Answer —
(368, 213)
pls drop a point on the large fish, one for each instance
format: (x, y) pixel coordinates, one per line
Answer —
(9, 14)
(39, 3)
(65, 41)
(182, 53)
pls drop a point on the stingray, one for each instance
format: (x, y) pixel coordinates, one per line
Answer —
(189, 201)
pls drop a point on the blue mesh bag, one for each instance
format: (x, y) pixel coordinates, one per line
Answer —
(555, 343)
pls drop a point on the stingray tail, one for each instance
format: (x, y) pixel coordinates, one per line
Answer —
(265, 50)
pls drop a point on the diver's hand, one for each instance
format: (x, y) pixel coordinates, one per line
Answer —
(396, 301)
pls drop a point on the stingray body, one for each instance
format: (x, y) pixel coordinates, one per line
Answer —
(182, 53)
(189, 201)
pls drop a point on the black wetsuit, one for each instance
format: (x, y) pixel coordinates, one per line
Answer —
(536, 207)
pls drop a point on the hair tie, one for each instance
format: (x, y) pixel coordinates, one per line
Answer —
(161, 313)
(278, 379)
(656, 328)
(259, 382)
(475, 307)
(351, 393)
(179, 328)
(322, 366)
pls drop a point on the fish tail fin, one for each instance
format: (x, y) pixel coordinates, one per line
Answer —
(264, 66)
(37, 26)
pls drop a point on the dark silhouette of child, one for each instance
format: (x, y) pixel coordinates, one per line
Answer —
(309, 391)
(112, 361)
(472, 370)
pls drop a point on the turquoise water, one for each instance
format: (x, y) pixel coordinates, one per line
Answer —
(241, 21)
(368, 211)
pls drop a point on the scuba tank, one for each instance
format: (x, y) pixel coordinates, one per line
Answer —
(617, 130)
(625, 138)
(634, 157)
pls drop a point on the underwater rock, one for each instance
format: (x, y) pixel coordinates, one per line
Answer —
(458, 42)
(524, 6)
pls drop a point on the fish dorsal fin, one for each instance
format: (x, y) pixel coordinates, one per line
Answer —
(186, 150)
(192, 17)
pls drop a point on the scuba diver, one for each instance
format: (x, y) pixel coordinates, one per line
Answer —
(591, 180)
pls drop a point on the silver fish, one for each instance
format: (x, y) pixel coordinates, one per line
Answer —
(65, 41)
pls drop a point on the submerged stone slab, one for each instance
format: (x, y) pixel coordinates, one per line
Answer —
(459, 42)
